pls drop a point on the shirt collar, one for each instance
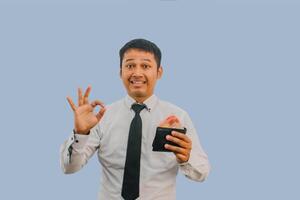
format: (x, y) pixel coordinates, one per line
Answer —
(150, 102)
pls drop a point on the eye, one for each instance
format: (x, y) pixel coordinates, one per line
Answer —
(129, 66)
(145, 66)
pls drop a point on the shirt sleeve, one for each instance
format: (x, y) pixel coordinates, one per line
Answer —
(78, 149)
(197, 167)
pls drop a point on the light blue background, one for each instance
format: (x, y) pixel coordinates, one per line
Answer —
(233, 65)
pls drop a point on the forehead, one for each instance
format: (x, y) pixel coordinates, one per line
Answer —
(138, 55)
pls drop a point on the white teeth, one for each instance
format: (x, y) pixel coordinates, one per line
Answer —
(137, 82)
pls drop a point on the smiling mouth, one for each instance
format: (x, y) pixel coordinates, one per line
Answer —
(137, 82)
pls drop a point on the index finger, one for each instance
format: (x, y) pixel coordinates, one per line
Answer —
(98, 102)
(71, 103)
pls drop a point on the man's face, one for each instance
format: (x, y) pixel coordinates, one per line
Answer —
(139, 73)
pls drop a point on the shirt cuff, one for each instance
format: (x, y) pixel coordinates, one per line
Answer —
(79, 140)
(185, 167)
(75, 143)
(197, 167)
(184, 163)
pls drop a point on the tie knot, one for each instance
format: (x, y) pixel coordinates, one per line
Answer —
(138, 107)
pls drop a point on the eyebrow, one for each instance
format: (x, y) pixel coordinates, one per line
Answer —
(131, 59)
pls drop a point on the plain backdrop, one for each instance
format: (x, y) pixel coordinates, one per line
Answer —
(232, 65)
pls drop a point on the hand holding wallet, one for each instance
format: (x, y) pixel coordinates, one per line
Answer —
(160, 138)
(165, 128)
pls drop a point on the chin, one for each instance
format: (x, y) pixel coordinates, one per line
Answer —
(138, 94)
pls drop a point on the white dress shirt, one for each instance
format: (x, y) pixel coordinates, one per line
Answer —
(158, 169)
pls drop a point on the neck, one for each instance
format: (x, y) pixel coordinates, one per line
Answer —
(140, 99)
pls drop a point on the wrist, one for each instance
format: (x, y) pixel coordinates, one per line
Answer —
(80, 132)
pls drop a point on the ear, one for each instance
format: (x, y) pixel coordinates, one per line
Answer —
(120, 72)
(159, 72)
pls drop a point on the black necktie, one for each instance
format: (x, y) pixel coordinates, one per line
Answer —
(131, 178)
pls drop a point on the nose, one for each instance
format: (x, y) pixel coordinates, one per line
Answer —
(137, 72)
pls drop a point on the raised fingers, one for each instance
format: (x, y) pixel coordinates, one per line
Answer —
(80, 98)
(86, 95)
(71, 103)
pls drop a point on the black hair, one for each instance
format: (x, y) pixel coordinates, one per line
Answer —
(144, 45)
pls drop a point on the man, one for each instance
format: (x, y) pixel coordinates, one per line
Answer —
(123, 133)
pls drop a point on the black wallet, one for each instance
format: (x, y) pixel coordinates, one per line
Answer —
(160, 138)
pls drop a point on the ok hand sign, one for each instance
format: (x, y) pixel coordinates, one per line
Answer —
(84, 116)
